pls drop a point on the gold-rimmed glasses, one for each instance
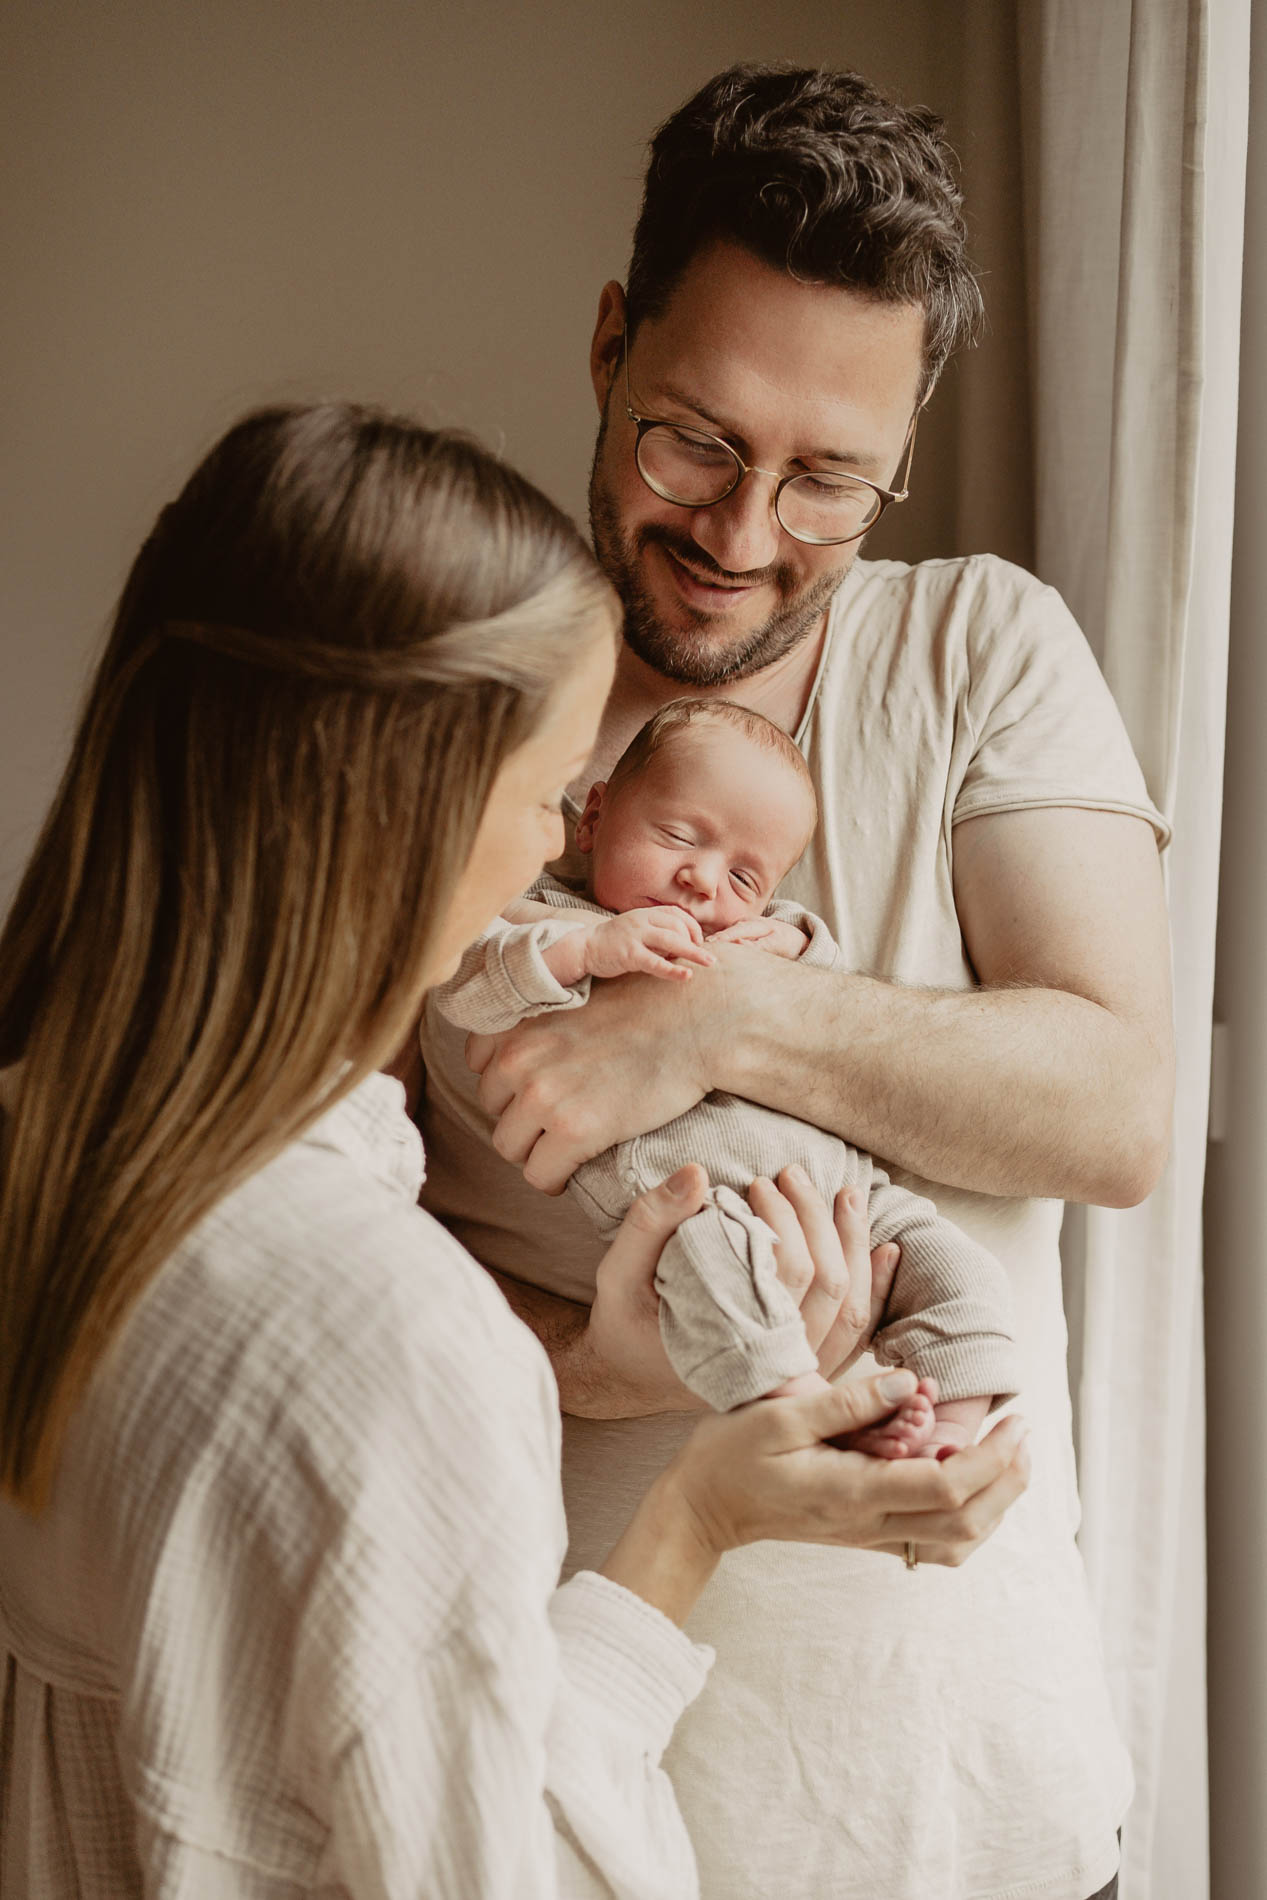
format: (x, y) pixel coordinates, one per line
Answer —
(694, 469)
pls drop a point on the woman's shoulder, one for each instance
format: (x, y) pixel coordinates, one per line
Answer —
(320, 1338)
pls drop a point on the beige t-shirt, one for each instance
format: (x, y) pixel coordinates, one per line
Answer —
(869, 1733)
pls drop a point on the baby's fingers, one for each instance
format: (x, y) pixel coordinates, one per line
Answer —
(671, 917)
(669, 943)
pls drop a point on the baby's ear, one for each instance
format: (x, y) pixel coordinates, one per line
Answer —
(587, 823)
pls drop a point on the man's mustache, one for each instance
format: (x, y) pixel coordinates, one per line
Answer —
(694, 557)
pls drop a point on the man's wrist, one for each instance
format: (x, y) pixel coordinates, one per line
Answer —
(590, 1387)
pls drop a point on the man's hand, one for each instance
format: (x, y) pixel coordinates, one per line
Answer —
(614, 1365)
(1053, 1078)
(564, 1087)
(771, 934)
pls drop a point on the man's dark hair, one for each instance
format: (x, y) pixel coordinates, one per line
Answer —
(821, 176)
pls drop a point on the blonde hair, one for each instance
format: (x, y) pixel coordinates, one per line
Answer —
(679, 715)
(322, 656)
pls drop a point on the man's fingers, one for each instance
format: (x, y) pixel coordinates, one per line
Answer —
(517, 1132)
(480, 1051)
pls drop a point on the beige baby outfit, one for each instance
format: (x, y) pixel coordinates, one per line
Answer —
(731, 1329)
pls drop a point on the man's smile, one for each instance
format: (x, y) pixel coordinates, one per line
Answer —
(706, 591)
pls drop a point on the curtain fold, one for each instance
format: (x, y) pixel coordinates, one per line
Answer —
(1135, 115)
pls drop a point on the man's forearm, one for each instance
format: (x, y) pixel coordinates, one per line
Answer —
(1009, 1091)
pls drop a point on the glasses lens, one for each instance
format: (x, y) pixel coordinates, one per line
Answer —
(685, 465)
(826, 508)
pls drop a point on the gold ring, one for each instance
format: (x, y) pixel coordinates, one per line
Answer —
(912, 1561)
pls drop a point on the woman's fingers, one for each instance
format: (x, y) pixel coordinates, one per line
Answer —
(623, 1333)
(953, 1506)
(852, 1404)
(823, 1258)
(655, 1215)
(792, 1260)
(829, 1275)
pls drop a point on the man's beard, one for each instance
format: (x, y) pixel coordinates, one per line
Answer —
(696, 656)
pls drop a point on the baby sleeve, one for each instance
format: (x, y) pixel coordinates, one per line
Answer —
(503, 978)
(948, 1315)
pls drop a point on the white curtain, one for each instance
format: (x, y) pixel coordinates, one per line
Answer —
(1134, 116)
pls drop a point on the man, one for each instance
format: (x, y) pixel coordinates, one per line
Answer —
(988, 859)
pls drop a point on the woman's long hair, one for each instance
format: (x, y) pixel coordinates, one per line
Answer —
(323, 654)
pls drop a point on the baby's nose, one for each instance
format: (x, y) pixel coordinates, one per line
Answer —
(698, 875)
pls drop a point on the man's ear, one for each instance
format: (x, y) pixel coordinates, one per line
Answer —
(609, 330)
(587, 823)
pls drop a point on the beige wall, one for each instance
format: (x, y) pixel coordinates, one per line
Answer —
(208, 206)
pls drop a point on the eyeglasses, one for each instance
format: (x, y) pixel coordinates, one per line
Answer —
(693, 469)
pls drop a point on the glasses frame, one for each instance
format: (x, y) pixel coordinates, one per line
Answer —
(888, 497)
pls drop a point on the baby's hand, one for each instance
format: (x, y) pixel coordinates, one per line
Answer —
(661, 940)
(764, 933)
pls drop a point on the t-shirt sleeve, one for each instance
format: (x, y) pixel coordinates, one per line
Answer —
(1045, 727)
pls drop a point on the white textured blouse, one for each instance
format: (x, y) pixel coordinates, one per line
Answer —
(289, 1625)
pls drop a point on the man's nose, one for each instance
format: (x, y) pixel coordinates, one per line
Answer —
(742, 532)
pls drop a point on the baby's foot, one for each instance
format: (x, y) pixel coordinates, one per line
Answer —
(902, 1435)
(945, 1439)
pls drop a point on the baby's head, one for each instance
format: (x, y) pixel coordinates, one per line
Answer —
(708, 807)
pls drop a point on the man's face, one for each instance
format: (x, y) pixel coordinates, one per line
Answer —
(794, 376)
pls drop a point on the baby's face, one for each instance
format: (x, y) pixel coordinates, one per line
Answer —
(712, 824)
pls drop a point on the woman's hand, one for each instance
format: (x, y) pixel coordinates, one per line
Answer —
(766, 1471)
(614, 1366)
(825, 1260)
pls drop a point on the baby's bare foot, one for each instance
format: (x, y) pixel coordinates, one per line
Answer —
(904, 1434)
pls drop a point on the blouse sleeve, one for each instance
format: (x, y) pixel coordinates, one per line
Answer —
(531, 1772)
(496, 1735)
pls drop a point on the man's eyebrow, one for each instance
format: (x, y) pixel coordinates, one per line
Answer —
(849, 458)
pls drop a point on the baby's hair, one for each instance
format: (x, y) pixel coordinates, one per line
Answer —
(681, 714)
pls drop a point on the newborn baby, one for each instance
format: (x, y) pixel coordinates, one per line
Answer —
(706, 810)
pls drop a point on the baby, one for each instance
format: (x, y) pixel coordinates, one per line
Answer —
(706, 810)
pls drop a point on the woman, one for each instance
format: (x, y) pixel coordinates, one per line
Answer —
(282, 1523)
